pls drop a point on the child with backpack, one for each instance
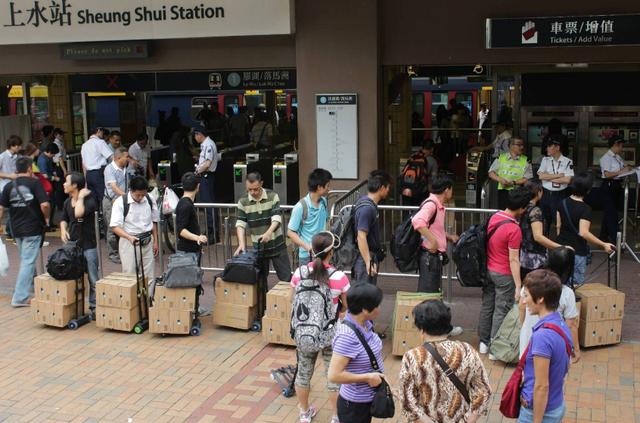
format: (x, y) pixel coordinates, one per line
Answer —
(319, 296)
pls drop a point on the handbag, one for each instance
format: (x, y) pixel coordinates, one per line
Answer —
(183, 271)
(448, 371)
(382, 405)
(510, 402)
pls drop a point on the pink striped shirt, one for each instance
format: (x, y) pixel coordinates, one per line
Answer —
(338, 282)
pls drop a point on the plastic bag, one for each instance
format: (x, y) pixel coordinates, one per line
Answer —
(169, 201)
(4, 259)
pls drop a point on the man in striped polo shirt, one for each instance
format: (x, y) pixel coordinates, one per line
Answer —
(259, 211)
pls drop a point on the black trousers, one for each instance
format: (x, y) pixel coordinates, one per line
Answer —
(430, 272)
(613, 197)
(550, 204)
(353, 412)
(95, 183)
(207, 194)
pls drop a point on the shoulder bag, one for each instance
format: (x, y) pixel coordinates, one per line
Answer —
(382, 406)
(510, 402)
(448, 371)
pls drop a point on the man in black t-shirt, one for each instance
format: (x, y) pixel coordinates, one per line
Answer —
(28, 206)
(186, 218)
(78, 224)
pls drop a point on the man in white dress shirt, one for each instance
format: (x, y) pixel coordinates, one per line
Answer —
(95, 154)
(555, 172)
(140, 157)
(612, 195)
(136, 221)
(207, 164)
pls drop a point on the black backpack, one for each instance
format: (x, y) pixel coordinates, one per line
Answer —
(66, 263)
(405, 244)
(470, 254)
(344, 228)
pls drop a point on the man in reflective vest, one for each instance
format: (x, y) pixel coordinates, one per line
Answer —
(510, 170)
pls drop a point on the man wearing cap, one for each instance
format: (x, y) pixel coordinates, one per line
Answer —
(612, 166)
(95, 154)
(207, 163)
(555, 172)
(510, 170)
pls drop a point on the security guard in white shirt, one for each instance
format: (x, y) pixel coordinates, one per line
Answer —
(555, 172)
(95, 153)
(612, 166)
(207, 164)
(136, 222)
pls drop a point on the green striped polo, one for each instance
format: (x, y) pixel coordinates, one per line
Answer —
(257, 216)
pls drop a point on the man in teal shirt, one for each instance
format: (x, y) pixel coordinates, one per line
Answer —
(310, 215)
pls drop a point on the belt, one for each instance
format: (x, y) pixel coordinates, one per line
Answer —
(144, 238)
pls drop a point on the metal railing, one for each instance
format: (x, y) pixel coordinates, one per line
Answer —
(74, 162)
(348, 198)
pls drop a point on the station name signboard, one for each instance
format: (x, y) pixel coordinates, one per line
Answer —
(563, 31)
(63, 21)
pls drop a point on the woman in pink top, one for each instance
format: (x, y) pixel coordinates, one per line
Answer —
(322, 245)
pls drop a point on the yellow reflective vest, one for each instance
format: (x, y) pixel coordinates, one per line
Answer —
(511, 169)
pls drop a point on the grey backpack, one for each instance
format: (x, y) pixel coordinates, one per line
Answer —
(183, 271)
(505, 346)
(313, 321)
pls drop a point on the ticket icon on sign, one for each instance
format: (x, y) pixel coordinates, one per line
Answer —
(529, 33)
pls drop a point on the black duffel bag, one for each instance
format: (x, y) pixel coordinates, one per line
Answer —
(66, 263)
(242, 268)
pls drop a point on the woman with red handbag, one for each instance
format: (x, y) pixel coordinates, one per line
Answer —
(545, 362)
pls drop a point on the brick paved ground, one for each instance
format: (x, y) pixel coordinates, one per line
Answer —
(88, 375)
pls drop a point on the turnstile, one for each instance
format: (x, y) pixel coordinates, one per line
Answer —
(164, 173)
(239, 177)
(477, 168)
(286, 181)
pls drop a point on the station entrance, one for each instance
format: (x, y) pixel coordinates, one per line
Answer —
(250, 114)
(459, 109)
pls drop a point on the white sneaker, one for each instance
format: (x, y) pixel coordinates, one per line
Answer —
(456, 331)
(484, 348)
(307, 416)
(493, 357)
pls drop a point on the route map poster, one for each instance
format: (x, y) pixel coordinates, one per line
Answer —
(337, 134)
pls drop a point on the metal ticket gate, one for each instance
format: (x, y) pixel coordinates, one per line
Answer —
(477, 168)
(286, 182)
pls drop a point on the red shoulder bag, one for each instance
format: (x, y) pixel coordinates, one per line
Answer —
(510, 402)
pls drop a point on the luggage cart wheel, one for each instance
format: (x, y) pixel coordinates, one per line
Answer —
(73, 324)
(195, 331)
(288, 392)
(256, 326)
(138, 329)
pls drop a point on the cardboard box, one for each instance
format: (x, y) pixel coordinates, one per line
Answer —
(54, 291)
(234, 316)
(591, 334)
(599, 303)
(175, 298)
(159, 321)
(119, 293)
(236, 293)
(104, 317)
(40, 311)
(181, 321)
(277, 331)
(125, 319)
(51, 314)
(405, 302)
(404, 340)
(117, 318)
(279, 302)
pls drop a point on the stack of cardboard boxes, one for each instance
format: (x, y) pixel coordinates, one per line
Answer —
(54, 302)
(601, 313)
(276, 323)
(172, 311)
(405, 334)
(235, 305)
(117, 302)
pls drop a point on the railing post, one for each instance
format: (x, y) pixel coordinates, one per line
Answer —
(161, 242)
(618, 258)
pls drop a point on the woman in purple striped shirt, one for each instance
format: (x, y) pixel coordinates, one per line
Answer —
(350, 365)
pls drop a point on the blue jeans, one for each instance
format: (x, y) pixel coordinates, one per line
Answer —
(28, 248)
(91, 256)
(579, 270)
(552, 416)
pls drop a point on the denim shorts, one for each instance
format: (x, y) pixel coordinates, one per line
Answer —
(551, 416)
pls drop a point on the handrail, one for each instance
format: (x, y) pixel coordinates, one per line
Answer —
(346, 196)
